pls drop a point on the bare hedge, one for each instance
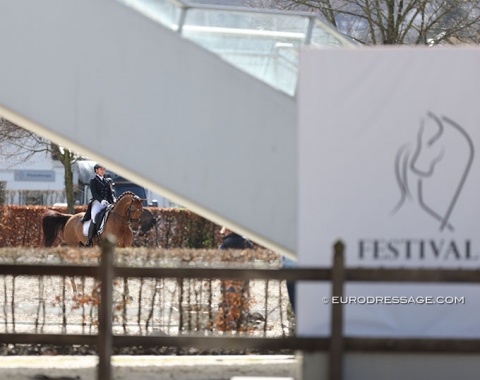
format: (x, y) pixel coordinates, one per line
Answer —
(21, 226)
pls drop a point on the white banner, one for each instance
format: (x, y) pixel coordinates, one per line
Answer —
(389, 141)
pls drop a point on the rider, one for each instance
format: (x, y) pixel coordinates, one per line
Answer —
(102, 196)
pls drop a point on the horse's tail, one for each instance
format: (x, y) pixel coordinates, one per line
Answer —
(52, 223)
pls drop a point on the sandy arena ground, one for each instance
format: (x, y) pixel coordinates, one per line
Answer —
(26, 302)
(33, 303)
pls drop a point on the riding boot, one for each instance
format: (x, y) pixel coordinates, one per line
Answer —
(91, 234)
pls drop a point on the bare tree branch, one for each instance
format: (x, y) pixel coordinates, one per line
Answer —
(410, 22)
(19, 144)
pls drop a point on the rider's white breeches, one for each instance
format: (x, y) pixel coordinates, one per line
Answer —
(96, 208)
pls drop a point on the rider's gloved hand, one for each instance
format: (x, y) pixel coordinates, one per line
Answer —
(104, 203)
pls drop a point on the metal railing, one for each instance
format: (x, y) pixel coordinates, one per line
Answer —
(248, 38)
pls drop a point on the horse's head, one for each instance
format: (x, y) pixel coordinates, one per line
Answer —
(131, 206)
(429, 149)
(134, 212)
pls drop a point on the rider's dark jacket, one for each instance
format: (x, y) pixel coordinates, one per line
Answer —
(102, 189)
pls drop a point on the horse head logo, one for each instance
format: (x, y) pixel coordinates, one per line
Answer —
(432, 170)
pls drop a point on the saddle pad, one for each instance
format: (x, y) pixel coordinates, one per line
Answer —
(85, 227)
(86, 224)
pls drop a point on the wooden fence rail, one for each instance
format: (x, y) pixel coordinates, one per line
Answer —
(335, 345)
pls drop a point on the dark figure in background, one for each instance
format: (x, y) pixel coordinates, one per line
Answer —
(234, 305)
(102, 196)
(234, 241)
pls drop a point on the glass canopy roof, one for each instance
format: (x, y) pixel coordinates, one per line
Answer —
(263, 43)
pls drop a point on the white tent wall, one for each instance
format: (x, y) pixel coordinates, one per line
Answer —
(391, 168)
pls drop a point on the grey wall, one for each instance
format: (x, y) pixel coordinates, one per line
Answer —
(117, 87)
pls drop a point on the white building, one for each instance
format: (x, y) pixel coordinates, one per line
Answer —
(36, 181)
(39, 180)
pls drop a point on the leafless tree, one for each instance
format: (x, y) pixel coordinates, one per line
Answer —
(389, 22)
(21, 144)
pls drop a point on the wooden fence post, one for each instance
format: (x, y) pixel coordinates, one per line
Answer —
(105, 310)
(336, 338)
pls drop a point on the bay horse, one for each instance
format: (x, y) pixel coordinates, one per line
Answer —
(123, 218)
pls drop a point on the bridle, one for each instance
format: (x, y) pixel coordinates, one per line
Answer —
(129, 216)
(129, 220)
